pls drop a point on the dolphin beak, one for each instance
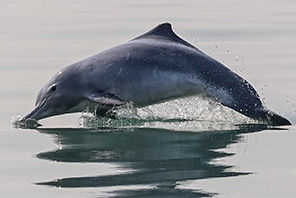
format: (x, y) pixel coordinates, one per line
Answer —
(36, 114)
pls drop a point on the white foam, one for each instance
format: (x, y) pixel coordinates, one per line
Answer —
(181, 114)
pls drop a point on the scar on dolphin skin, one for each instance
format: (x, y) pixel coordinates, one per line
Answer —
(152, 68)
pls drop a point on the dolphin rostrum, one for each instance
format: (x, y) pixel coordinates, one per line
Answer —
(152, 68)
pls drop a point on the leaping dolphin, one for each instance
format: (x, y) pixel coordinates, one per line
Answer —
(152, 68)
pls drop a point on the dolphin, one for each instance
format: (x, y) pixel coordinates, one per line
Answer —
(152, 68)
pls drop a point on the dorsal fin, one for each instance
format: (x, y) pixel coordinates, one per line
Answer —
(164, 31)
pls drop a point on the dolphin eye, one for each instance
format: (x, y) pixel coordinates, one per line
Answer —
(53, 88)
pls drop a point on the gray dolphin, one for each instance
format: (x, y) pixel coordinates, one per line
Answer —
(152, 68)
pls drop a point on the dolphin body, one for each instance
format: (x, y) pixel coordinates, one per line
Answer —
(152, 68)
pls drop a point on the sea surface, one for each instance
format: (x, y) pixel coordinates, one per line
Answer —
(184, 148)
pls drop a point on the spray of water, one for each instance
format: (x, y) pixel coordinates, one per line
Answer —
(181, 114)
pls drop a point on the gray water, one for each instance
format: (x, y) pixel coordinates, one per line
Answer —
(217, 154)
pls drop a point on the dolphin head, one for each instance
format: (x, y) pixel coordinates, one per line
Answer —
(60, 95)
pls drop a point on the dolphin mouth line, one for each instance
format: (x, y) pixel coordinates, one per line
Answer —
(37, 108)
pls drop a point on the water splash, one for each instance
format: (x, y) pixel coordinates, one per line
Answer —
(181, 114)
(24, 124)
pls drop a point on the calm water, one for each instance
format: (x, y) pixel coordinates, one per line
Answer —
(160, 158)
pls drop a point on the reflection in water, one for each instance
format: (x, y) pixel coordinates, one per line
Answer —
(157, 157)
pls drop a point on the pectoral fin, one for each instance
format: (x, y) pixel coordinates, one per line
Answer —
(106, 99)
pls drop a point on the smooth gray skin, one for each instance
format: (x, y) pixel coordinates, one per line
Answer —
(152, 68)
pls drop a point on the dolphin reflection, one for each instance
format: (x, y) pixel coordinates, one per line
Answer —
(158, 156)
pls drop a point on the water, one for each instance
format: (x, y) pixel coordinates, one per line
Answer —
(167, 157)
